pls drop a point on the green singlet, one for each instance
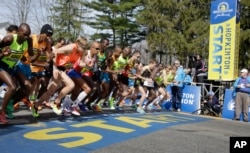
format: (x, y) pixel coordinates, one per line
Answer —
(17, 51)
(101, 59)
(121, 63)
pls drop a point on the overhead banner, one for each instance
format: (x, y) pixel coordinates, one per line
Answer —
(224, 40)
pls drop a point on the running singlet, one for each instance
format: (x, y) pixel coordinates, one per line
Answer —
(17, 51)
(88, 59)
(101, 60)
(42, 58)
(147, 74)
(121, 64)
(169, 77)
(64, 59)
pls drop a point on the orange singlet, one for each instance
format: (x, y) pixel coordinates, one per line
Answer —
(64, 59)
(42, 58)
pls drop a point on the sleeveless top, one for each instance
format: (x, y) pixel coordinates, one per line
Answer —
(17, 52)
(101, 59)
(121, 64)
(63, 60)
(88, 60)
(42, 58)
(147, 74)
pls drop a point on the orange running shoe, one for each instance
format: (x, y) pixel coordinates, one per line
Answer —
(27, 102)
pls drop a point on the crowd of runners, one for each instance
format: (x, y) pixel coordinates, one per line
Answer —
(70, 77)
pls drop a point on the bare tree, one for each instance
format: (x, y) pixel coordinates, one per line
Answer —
(33, 12)
(17, 10)
(40, 15)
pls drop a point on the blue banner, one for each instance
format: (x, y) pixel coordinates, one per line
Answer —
(190, 99)
(229, 105)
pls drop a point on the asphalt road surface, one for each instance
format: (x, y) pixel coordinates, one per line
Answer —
(119, 132)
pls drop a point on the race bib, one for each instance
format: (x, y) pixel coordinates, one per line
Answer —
(149, 83)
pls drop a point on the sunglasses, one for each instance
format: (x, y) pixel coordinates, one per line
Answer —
(83, 46)
(97, 48)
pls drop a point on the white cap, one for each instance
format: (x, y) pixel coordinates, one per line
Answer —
(210, 93)
(244, 71)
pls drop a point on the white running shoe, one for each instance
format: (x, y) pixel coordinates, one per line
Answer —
(140, 110)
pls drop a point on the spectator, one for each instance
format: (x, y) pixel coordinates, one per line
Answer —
(188, 80)
(200, 73)
(177, 86)
(242, 91)
(213, 102)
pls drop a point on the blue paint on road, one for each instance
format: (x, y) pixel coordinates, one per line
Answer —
(13, 140)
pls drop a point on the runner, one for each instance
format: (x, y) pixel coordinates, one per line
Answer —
(121, 65)
(81, 74)
(41, 46)
(6, 78)
(113, 85)
(148, 83)
(101, 77)
(60, 80)
(17, 63)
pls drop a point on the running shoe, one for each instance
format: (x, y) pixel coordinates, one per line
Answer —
(101, 102)
(82, 107)
(9, 114)
(66, 103)
(140, 110)
(3, 119)
(67, 110)
(32, 97)
(119, 108)
(27, 102)
(34, 111)
(134, 106)
(151, 107)
(75, 111)
(111, 103)
(56, 109)
(96, 108)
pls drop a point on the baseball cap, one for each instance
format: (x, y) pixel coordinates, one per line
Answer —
(244, 71)
(210, 93)
(47, 29)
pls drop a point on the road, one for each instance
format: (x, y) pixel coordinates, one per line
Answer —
(124, 132)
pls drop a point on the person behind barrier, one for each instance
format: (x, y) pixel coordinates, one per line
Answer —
(177, 87)
(213, 102)
(242, 91)
(187, 80)
(200, 73)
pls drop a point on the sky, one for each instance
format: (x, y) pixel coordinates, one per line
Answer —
(5, 14)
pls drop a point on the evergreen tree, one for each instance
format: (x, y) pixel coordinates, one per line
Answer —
(176, 27)
(67, 18)
(114, 20)
(244, 53)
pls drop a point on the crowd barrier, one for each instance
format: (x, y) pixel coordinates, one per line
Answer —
(229, 105)
(190, 98)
